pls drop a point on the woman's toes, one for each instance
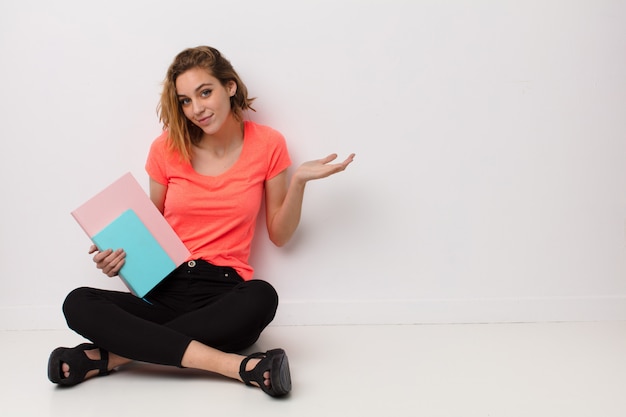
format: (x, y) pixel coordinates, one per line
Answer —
(66, 370)
(266, 375)
(94, 355)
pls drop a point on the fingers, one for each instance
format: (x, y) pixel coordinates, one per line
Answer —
(116, 266)
(343, 165)
(333, 156)
(347, 161)
(322, 168)
(109, 261)
(329, 158)
(101, 255)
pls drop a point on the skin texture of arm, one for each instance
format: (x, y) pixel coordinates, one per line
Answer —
(284, 199)
(157, 194)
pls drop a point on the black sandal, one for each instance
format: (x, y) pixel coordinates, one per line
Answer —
(275, 361)
(78, 362)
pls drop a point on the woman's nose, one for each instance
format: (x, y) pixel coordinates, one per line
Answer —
(197, 107)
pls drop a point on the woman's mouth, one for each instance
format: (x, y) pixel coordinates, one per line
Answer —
(204, 120)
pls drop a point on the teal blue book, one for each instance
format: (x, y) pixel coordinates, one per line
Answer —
(146, 262)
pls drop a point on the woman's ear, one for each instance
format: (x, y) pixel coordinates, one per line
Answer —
(232, 88)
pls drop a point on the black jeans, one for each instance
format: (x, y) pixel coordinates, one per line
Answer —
(198, 301)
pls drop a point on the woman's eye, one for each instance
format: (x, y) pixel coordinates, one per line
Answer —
(184, 101)
(205, 93)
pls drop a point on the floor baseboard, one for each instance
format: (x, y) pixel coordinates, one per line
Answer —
(419, 311)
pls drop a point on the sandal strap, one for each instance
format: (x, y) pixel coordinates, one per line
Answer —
(78, 362)
(103, 363)
(275, 361)
(252, 375)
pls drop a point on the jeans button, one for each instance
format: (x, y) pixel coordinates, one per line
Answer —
(191, 264)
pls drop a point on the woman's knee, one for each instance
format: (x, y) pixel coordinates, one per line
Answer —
(264, 294)
(75, 303)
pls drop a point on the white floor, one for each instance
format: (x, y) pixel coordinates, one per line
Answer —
(531, 370)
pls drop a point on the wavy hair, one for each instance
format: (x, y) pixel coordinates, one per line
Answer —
(182, 132)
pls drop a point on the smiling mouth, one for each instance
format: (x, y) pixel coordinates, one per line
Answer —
(204, 119)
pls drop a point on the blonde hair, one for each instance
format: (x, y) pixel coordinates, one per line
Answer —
(182, 133)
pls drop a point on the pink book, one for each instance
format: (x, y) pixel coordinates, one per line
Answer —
(108, 205)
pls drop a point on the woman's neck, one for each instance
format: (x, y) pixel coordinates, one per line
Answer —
(229, 137)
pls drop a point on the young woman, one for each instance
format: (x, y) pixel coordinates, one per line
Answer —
(209, 171)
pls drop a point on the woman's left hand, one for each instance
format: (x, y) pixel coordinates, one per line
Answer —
(321, 168)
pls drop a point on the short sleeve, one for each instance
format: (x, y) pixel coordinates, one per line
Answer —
(155, 164)
(279, 158)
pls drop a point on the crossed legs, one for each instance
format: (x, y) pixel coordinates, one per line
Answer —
(163, 331)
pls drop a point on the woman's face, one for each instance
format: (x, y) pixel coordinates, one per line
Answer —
(204, 100)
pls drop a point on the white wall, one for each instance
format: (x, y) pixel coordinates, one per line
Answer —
(490, 179)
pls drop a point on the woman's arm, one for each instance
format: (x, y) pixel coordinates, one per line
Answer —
(157, 194)
(283, 199)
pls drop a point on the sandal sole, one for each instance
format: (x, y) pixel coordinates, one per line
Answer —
(280, 378)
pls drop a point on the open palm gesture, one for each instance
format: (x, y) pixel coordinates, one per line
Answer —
(321, 168)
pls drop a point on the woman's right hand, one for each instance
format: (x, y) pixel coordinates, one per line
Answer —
(109, 261)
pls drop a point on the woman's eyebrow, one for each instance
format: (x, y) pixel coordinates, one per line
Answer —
(200, 87)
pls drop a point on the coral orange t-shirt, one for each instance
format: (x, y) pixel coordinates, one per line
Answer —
(215, 216)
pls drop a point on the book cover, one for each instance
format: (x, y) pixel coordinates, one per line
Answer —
(146, 262)
(123, 194)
